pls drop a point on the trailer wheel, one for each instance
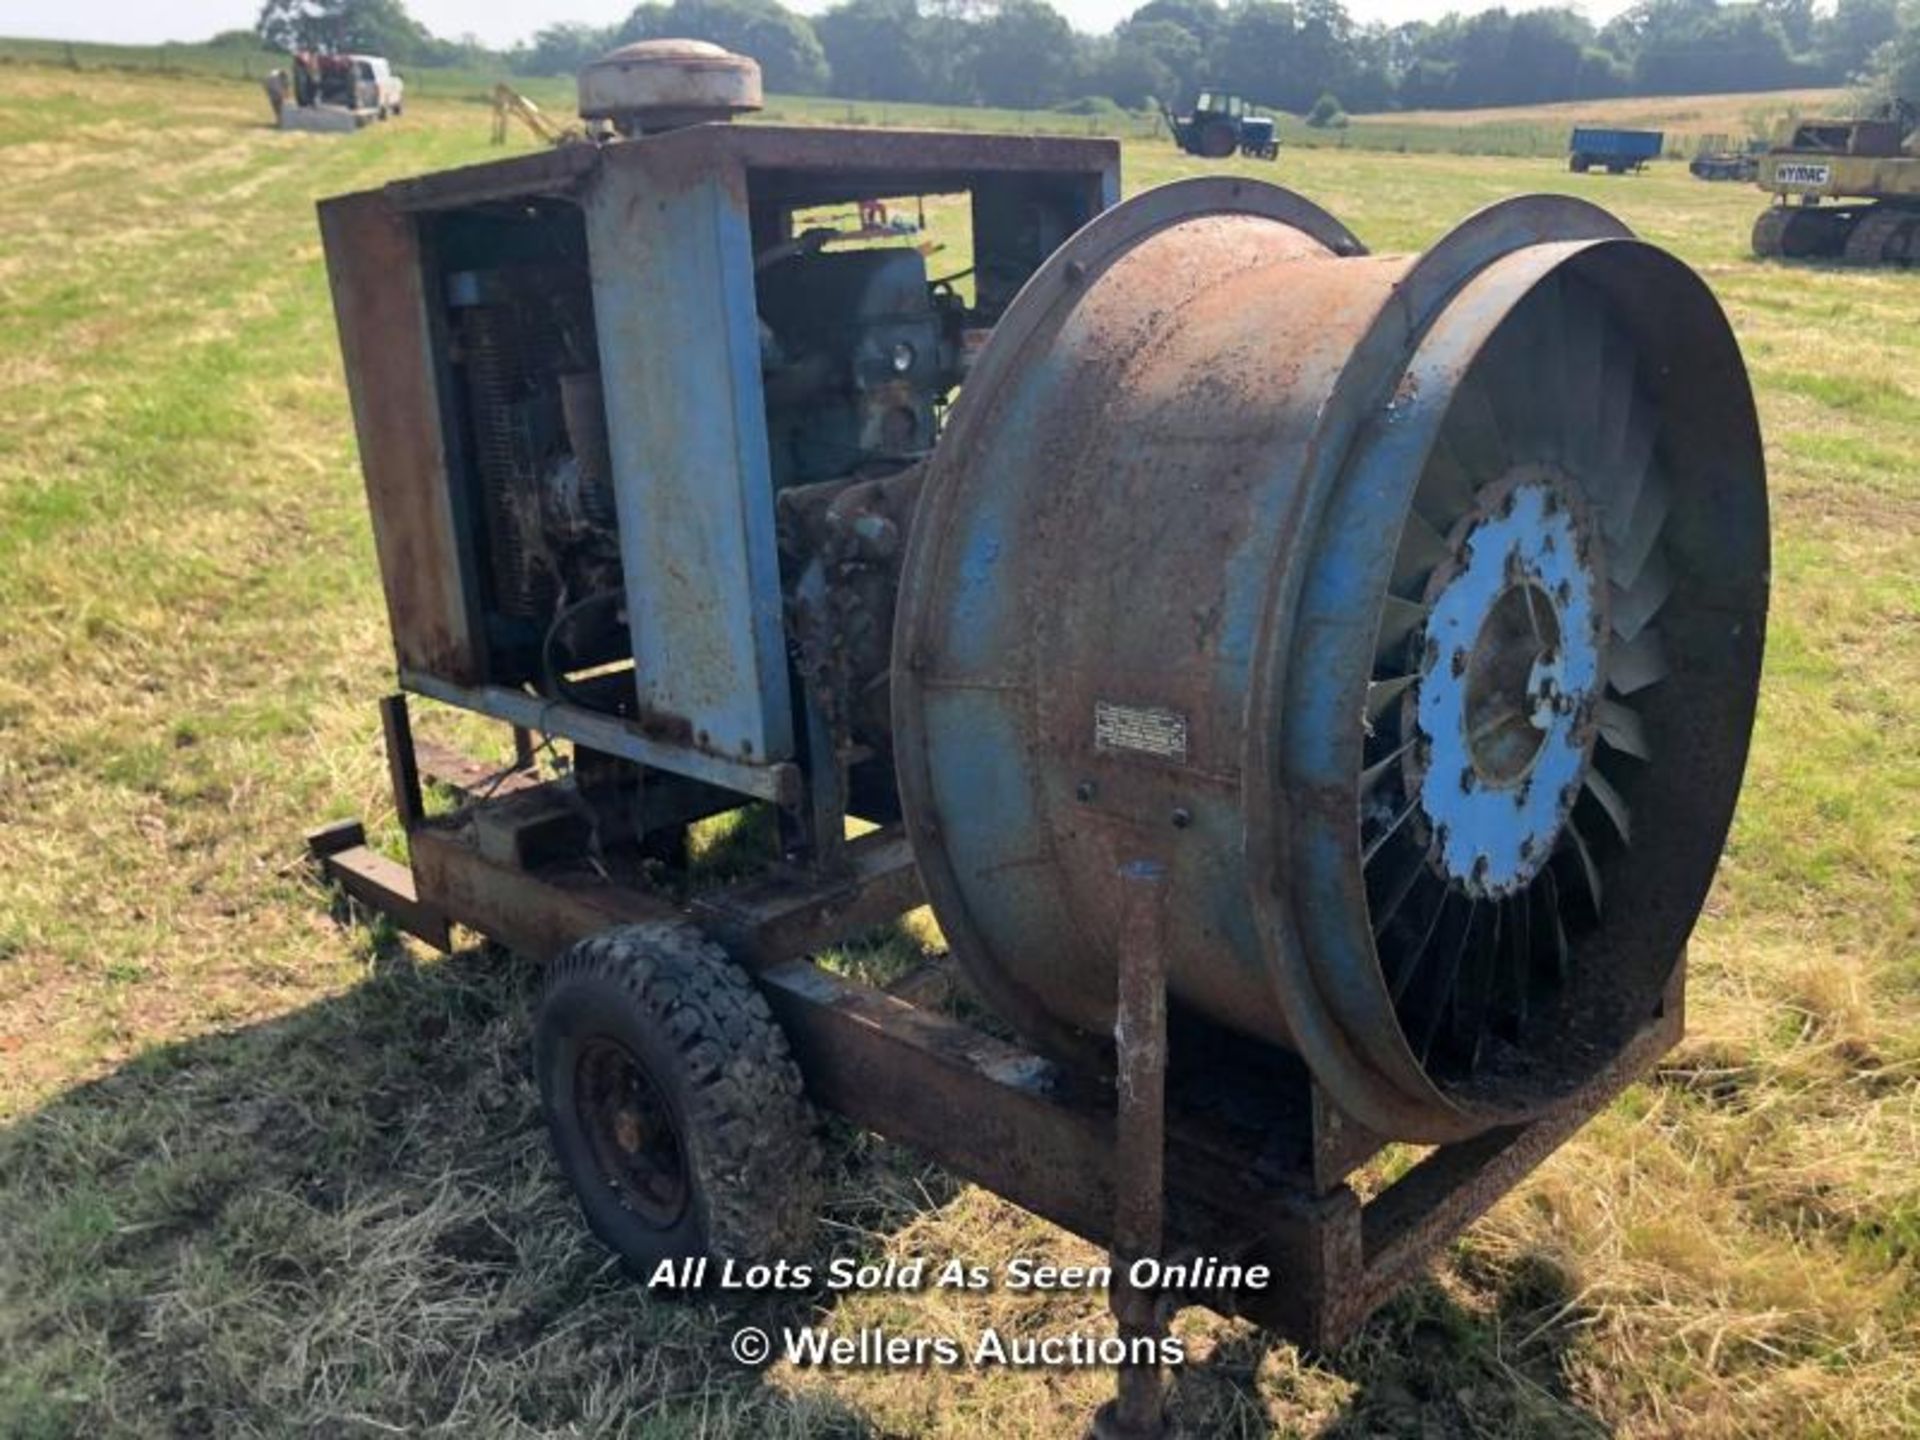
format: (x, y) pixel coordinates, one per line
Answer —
(673, 1103)
(1578, 164)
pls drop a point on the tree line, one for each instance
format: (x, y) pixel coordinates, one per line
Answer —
(1284, 54)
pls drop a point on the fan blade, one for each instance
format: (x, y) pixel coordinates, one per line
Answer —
(1508, 370)
(1630, 552)
(1421, 548)
(1409, 962)
(1585, 339)
(1633, 608)
(1398, 619)
(1616, 402)
(1588, 872)
(1519, 965)
(1382, 693)
(1612, 802)
(1556, 929)
(1396, 895)
(1637, 663)
(1393, 828)
(1450, 950)
(1380, 769)
(1620, 727)
(1473, 995)
(1626, 479)
(1445, 492)
(1547, 311)
(1473, 432)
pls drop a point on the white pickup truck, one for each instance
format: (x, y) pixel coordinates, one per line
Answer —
(376, 87)
(334, 92)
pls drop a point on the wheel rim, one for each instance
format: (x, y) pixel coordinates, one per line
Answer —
(630, 1130)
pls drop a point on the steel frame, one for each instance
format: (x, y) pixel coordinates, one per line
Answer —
(1258, 1166)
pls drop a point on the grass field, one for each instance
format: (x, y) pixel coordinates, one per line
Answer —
(260, 1174)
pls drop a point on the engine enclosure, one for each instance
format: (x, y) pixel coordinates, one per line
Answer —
(582, 382)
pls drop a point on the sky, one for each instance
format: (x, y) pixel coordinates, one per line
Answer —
(501, 22)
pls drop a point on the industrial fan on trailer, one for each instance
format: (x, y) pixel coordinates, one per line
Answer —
(1311, 688)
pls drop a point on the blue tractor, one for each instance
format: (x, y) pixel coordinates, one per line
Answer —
(1220, 124)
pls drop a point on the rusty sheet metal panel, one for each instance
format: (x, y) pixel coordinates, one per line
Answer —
(672, 271)
(548, 172)
(374, 264)
(798, 159)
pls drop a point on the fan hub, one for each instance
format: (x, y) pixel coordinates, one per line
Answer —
(1510, 675)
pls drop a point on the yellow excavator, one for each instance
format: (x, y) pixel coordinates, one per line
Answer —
(510, 104)
(1844, 189)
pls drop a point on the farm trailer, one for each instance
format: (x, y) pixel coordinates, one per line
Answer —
(1615, 151)
(1297, 767)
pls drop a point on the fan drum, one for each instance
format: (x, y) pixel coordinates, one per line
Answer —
(1410, 610)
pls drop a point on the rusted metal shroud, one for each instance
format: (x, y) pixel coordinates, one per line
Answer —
(1175, 484)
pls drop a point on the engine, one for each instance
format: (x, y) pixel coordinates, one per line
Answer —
(858, 353)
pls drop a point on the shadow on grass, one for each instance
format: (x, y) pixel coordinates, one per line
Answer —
(1424, 1367)
(345, 1221)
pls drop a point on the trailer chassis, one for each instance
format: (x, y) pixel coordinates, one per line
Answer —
(1246, 1161)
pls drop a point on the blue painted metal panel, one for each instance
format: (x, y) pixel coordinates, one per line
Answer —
(679, 352)
(1617, 144)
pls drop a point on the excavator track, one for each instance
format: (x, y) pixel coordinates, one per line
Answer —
(1797, 232)
(1886, 235)
(1769, 230)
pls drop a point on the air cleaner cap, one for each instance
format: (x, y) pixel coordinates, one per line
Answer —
(656, 85)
